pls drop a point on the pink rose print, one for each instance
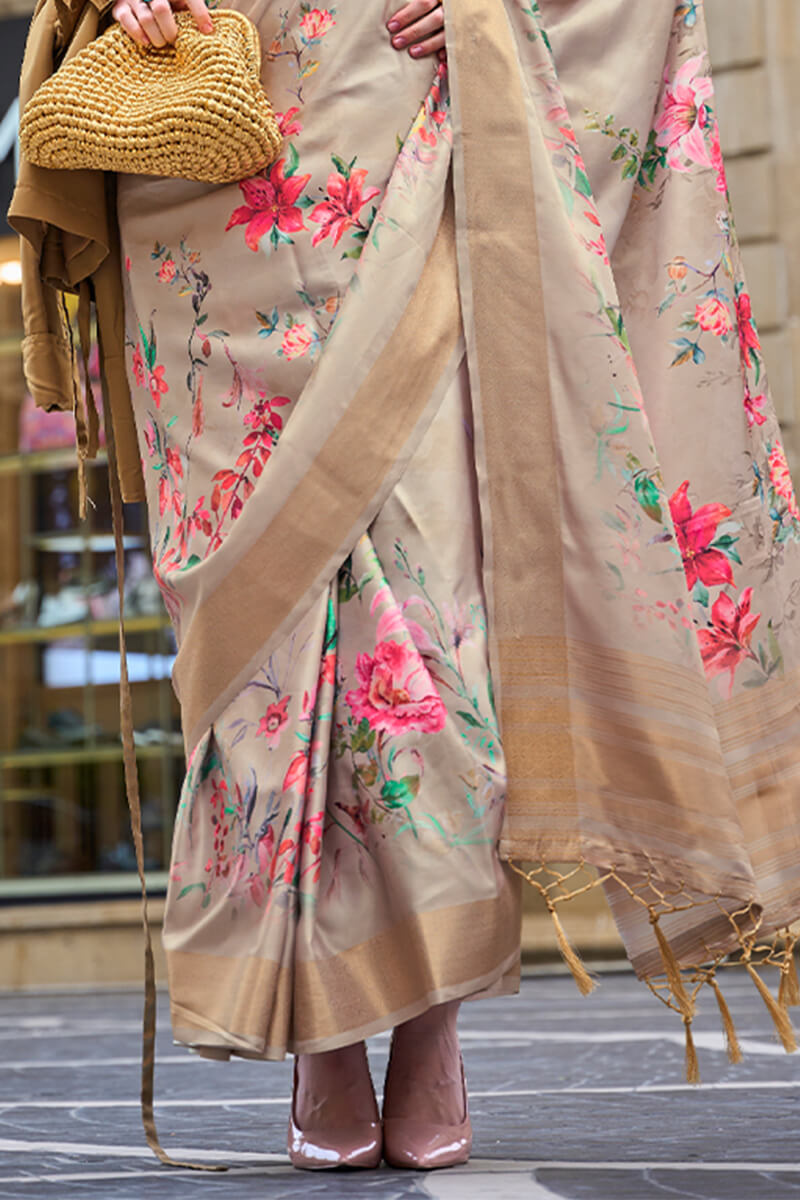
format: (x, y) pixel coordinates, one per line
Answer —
(684, 118)
(274, 719)
(167, 271)
(316, 23)
(288, 124)
(340, 210)
(727, 642)
(753, 406)
(296, 342)
(396, 693)
(748, 335)
(781, 479)
(158, 385)
(271, 203)
(137, 363)
(695, 532)
(713, 315)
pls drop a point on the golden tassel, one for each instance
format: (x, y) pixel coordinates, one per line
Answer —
(692, 1065)
(581, 976)
(734, 1049)
(789, 990)
(779, 1015)
(673, 971)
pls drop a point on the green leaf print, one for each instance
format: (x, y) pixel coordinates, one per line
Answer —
(341, 166)
(649, 497)
(292, 161)
(363, 739)
(398, 793)
(470, 720)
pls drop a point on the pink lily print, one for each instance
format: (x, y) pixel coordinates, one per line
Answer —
(271, 204)
(726, 643)
(341, 208)
(705, 560)
(685, 120)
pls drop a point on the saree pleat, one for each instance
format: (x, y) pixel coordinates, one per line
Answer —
(474, 522)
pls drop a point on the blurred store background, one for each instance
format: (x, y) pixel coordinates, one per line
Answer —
(68, 891)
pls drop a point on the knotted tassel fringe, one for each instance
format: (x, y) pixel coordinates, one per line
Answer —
(692, 1065)
(734, 1049)
(673, 972)
(571, 957)
(789, 990)
(779, 1015)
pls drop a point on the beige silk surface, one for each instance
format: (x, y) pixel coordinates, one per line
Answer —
(438, 392)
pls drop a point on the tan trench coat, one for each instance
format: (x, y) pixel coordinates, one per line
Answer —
(70, 242)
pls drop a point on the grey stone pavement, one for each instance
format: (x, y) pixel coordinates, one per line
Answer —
(572, 1098)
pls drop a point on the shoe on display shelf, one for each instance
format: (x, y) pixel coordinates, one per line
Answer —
(66, 607)
(68, 726)
(21, 605)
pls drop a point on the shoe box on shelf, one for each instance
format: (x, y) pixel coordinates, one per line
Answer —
(64, 826)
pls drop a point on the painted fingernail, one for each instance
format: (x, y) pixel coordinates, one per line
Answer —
(416, 51)
(392, 26)
(399, 42)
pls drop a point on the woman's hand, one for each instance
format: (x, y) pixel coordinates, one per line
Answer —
(419, 27)
(153, 23)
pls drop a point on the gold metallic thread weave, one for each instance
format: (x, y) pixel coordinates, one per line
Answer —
(193, 110)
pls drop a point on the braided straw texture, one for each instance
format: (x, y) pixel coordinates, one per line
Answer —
(195, 110)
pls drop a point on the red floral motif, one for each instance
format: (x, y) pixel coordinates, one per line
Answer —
(167, 271)
(316, 23)
(753, 406)
(297, 773)
(234, 485)
(157, 384)
(264, 849)
(137, 362)
(168, 494)
(274, 719)
(727, 642)
(339, 211)
(271, 201)
(695, 531)
(717, 160)
(288, 124)
(713, 315)
(748, 335)
(781, 479)
(396, 693)
(297, 341)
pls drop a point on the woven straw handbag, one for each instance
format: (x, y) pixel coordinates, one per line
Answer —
(192, 110)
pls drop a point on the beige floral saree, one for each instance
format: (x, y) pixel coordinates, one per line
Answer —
(469, 505)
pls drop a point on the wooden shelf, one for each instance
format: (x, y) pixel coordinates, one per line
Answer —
(96, 883)
(81, 629)
(37, 461)
(44, 756)
(76, 543)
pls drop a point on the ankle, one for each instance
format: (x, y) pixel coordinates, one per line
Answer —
(441, 1019)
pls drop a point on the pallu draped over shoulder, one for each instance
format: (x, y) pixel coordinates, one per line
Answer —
(470, 508)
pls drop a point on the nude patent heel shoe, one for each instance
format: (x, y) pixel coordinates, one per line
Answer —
(421, 1146)
(320, 1150)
